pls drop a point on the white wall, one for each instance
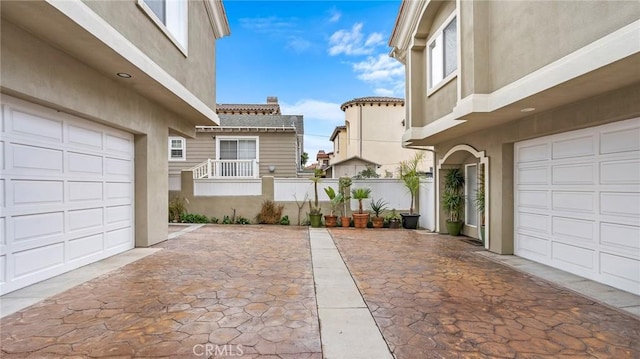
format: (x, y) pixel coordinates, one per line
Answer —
(391, 191)
(227, 187)
(426, 198)
(286, 188)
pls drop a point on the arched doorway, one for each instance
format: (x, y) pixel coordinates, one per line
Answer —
(473, 163)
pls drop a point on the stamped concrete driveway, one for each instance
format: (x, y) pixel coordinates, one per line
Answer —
(220, 291)
(433, 297)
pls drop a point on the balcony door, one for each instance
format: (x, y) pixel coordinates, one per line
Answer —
(236, 156)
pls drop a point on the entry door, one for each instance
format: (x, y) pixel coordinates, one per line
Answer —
(577, 202)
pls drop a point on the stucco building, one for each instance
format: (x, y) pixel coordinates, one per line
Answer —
(90, 92)
(544, 97)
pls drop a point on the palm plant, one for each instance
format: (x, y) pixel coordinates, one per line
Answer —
(361, 194)
(378, 206)
(334, 198)
(344, 183)
(411, 177)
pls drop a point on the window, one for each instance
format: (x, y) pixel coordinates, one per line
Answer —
(471, 187)
(177, 149)
(171, 17)
(237, 156)
(443, 54)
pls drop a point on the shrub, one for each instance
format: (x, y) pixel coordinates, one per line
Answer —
(226, 220)
(242, 220)
(176, 209)
(270, 213)
(214, 220)
(285, 221)
(193, 218)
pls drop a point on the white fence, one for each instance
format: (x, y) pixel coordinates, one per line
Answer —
(427, 200)
(227, 187)
(288, 189)
(226, 169)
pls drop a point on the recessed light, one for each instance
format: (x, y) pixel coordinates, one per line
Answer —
(124, 75)
(528, 109)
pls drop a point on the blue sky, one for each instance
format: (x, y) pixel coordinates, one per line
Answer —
(313, 55)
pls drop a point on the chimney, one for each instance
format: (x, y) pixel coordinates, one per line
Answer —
(272, 99)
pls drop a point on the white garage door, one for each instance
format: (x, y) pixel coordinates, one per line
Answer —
(66, 193)
(577, 202)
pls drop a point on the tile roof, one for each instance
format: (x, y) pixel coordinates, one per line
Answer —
(256, 109)
(262, 121)
(372, 100)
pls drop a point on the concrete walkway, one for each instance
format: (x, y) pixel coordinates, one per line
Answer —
(347, 328)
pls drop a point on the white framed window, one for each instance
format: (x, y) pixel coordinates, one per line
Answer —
(443, 55)
(171, 17)
(470, 189)
(177, 149)
(237, 148)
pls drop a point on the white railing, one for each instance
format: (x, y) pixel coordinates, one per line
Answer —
(226, 169)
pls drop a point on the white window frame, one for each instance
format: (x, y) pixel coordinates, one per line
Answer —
(183, 148)
(228, 138)
(469, 195)
(439, 36)
(176, 27)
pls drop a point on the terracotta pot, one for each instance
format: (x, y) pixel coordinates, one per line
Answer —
(378, 222)
(360, 220)
(346, 222)
(330, 221)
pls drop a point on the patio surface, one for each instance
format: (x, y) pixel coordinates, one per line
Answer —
(251, 289)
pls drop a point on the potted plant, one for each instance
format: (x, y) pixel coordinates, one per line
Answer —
(377, 207)
(480, 203)
(393, 219)
(315, 212)
(453, 200)
(345, 183)
(331, 219)
(361, 218)
(411, 179)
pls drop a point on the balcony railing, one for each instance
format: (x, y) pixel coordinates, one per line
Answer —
(226, 169)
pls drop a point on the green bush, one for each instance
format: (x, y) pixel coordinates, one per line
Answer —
(285, 221)
(242, 220)
(214, 220)
(226, 220)
(193, 218)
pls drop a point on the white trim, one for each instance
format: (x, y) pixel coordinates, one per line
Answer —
(433, 38)
(484, 160)
(183, 148)
(217, 18)
(87, 19)
(181, 44)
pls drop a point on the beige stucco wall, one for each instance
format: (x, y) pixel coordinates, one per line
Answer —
(37, 72)
(524, 36)
(196, 71)
(498, 143)
(382, 131)
(275, 148)
(340, 147)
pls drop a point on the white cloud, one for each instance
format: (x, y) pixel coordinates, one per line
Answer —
(312, 144)
(298, 44)
(335, 15)
(270, 25)
(351, 42)
(314, 110)
(382, 71)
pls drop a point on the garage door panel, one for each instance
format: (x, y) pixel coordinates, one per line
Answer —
(534, 199)
(620, 204)
(572, 174)
(33, 125)
(81, 191)
(624, 140)
(32, 159)
(573, 147)
(85, 138)
(86, 246)
(81, 163)
(37, 192)
(620, 172)
(569, 201)
(3, 269)
(574, 229)
(594, 201)
(2, 155)
(533, 175)
(38, 259)
(39, 225)
(624, 237)
(63, 176)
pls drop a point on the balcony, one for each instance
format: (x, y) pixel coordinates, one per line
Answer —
(226, 169)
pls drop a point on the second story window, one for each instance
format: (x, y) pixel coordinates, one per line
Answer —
(443, 54)
(177, 149)
(171, 17)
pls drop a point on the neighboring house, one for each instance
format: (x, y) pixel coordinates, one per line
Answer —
(371, 137)
(90, 91)
(322, 160)
(272, 107)
(242, 146)
(545, 97)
